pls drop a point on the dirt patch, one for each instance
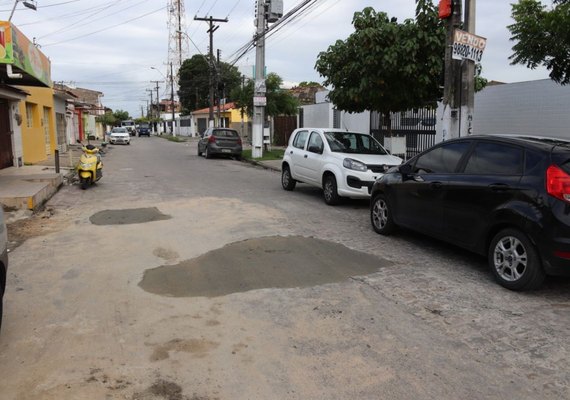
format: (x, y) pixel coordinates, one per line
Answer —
(39, 224)
(166, 390)
(128, 216)
(271, 262)
(197, 347)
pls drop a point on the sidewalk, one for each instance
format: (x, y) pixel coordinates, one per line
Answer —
(30, 186)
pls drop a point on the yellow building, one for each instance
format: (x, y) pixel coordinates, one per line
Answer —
(38, 125)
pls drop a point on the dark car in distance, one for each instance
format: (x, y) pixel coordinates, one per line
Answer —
(501, 196)
(220, 142)
(143, 129)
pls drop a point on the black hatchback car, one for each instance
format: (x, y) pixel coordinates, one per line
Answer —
(220, 142)
(500, 196)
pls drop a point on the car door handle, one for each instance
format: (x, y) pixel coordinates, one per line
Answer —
(436, 185)
(291, 152)
(499, 187)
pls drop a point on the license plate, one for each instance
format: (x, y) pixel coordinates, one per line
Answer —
(226, 151)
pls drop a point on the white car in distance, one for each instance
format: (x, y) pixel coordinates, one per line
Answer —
(342, 163)
(120, 135)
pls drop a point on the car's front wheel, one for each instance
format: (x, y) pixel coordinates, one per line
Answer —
(287, 181)
(515, 261)
(330, 190)
(381, 216)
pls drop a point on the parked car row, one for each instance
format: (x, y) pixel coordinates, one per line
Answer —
(504, 197)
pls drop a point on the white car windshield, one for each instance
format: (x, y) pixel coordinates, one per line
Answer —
(119, 130)
(350, 142)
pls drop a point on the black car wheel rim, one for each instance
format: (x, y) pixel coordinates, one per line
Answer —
(380, 213)
(510, 258)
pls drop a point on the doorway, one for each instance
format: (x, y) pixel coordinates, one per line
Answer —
(6, 153)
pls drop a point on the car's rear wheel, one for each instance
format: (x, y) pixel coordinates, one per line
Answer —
(381, 216)
(207, 153)
(287, 181)
(199, 152)
(515, 261)
(330, 190)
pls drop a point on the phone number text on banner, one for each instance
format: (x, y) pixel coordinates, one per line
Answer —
(468, 46)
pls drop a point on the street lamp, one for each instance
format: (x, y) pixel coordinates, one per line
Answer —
(172, 130)
(31, 4)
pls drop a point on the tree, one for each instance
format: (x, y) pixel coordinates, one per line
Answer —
(542, 37)
(384, 65)
(120, 116)
(194, 81)
(279, 101)
(107, 119)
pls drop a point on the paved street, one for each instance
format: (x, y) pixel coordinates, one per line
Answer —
(286, 298)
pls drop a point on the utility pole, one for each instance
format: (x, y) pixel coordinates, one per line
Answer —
(452, 85)
(259, 86)
(151, 103)
(468, 77)
(157, 100)
(220, 123)
(268, 11)
(211, 31)
(172, 131)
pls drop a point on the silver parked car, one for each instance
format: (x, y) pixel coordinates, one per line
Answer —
(3, 259)
(220, 141)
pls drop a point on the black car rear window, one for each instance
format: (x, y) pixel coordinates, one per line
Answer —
(225, 133)
(495, 159)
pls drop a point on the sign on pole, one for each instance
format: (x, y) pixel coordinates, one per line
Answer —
(468, 46)
(260, 101)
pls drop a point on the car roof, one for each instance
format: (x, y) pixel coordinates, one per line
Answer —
(329, 130)
(536, 142)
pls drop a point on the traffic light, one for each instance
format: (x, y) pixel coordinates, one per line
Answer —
(445, 7)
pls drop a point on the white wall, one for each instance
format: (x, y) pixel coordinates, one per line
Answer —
(538, 108)
(17, 145)
(357, 122)
(318, 115)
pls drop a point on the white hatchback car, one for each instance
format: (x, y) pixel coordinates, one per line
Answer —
(342, 163)
(120, 135)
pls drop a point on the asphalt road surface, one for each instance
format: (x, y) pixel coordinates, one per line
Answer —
(182, 278)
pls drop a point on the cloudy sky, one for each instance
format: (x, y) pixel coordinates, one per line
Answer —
(112, 45)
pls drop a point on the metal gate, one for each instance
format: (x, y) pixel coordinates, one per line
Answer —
(6, 154)
(418, 126)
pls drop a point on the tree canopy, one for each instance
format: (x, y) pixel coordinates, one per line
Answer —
(279, 102)
(194, 81)
(384, 65)
(542, 37)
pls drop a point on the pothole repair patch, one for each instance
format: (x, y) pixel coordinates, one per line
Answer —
(270, 262)
(128, 216)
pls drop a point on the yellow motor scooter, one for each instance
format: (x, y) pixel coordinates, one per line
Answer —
(90, 168)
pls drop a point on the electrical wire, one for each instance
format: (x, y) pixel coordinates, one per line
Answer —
(105, 29)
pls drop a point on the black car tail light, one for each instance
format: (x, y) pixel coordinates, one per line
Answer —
(558, 183)
(212, 139)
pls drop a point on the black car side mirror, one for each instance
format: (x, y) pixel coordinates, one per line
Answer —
(405, 169)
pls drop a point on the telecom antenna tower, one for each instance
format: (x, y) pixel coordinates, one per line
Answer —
(178, 46)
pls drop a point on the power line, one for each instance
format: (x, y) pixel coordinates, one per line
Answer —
(105, 29)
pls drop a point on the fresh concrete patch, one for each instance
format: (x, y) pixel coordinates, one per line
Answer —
(270, 262)
(128, 216)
